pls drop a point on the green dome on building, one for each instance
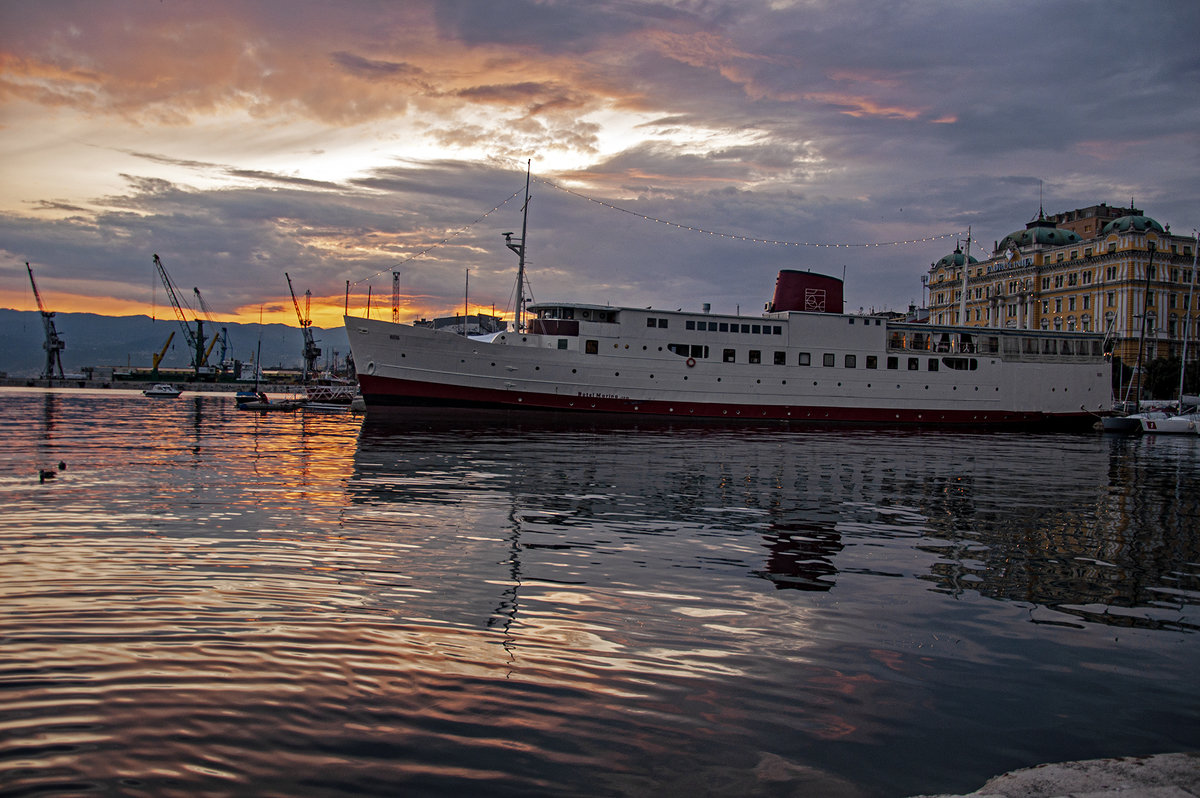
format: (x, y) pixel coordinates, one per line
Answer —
(955, 258)
(1039, 232)
(1136, 224)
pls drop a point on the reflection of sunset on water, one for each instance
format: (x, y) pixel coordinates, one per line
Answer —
(468, 602)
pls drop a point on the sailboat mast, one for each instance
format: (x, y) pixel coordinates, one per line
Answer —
(1187, 316)
(1137, 377)
(962, 301)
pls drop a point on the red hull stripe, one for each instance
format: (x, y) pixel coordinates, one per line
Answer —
(386, 391)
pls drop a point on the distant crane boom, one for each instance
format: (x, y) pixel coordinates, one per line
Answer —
(312, 352)
(53, 344)
(208, 315)
(195, 339)
(158, 356)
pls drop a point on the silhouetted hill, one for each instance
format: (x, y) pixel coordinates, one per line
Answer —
(132, 341)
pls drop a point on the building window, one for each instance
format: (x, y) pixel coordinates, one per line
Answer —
(687, 325)
(805, 359)
(914, 364)
(851, 361)
(872, 362)
(781, 358)
(591, 347)
(829, 359)
(932, 364)
(755, 356)
(728, 356)
(893, 362)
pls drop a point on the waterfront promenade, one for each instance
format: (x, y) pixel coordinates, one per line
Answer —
(1161, 776)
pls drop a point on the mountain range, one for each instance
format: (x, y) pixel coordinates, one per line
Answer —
(133, 341)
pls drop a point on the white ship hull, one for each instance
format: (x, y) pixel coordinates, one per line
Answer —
(798, 366)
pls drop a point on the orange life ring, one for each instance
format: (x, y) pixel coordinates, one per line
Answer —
(691, 361)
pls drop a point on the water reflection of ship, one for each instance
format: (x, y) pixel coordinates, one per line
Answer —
(801, 554)
(1099, 542)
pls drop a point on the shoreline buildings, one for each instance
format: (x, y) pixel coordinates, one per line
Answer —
(1097, 269)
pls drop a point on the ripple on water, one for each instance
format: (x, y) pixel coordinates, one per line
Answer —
(209, 601)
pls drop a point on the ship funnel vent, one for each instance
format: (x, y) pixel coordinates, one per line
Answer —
(806, 291)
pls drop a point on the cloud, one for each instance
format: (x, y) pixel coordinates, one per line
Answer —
(340, 142)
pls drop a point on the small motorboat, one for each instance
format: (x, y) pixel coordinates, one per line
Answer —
(263, 404)
(162, 390)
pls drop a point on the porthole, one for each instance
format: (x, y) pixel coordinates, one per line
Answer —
(371, 368)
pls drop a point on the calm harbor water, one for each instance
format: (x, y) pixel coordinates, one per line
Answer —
(214, 602)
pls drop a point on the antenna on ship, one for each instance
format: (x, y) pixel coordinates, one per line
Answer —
(518, 246)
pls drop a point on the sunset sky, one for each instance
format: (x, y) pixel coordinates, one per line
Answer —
(344, 141)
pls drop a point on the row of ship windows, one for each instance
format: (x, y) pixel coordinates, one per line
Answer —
(721, 326)
(828, 359)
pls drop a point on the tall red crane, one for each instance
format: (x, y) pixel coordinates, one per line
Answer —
(311, 351)
(53, 344)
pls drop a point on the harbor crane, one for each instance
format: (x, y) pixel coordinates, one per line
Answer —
(158, 356)
(311, 351)
(195, 339)
(221, 336)
(53, 344)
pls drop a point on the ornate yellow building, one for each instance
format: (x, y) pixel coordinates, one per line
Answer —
(1099, 269)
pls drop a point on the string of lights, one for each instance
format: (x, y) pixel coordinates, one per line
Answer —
(749, 239)
(677, 225)
(445, 240)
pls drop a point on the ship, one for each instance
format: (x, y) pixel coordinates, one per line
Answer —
(802, 360)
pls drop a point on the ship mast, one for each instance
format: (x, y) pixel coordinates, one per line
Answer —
(518, 246)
